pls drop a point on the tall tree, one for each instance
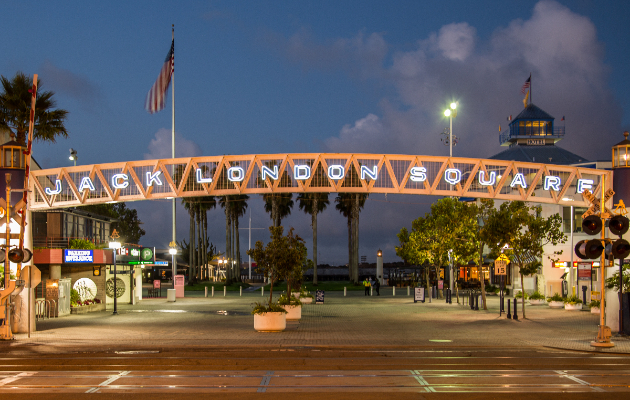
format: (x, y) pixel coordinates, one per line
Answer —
(313, 204)
(225, 205)
(15, 109)
(126, 221)
(526, 233)
(238, 208)
(350, 205)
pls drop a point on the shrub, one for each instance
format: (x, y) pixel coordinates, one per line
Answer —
(536, 296)
(261, 308)
(81, 244)
(573, 300)
(555, 297)
(492, 289)
(520, 295)
(594, 303)
(293, 301)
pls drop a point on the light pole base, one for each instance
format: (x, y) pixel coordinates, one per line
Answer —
(602, 344)
(603, 337)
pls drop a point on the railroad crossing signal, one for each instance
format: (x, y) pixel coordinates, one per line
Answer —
(595, 207)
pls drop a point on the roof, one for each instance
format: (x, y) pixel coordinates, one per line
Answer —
(541, 154)
(533, 112)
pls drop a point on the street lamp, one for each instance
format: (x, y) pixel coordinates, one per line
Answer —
(114, 245)
(173, 251)
(73, 156)
(451, 113)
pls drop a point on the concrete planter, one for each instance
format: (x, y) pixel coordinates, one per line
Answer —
(556, 304)
(295, 294)
(573, 307)
(294, 313)
(595, 310)
(306, 300)
(270, 322)
(87, 309)
(538, 302)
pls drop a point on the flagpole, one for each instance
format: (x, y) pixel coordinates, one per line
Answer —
(173, 150)
(530, 88)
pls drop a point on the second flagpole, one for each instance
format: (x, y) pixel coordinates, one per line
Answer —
(174, 272)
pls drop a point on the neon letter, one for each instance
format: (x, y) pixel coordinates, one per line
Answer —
(418, 174)
(490, 182)
(154, 178)
(266, 171)
(552, 182)
(301, 172)
(372, 173)
(448, 176)
(200, 178)
(120, 185)
(519, 179)
(86, 183)
(584, 184)
(57, 188)
(236, 174)
(335, 172)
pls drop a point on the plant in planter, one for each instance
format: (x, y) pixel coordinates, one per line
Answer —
(282, 258)
(536, 299)
(520, 295)
(594, 306)
(555, 301)
(292, 305)
(572, 303)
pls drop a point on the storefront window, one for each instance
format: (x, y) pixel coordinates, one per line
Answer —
(577, 219)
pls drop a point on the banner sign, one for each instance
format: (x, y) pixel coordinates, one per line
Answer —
(584, 271)
(78, 256)
(319, 297)
(418, 294)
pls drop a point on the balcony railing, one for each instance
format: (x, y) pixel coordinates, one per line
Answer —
(61, 242)
(558, 132)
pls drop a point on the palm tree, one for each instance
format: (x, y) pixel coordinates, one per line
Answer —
(205, 203)
(225, 205)
(350, 205)
(15, 105)
(313, 203)
(278, 205)
(190, 206)
(238, 208)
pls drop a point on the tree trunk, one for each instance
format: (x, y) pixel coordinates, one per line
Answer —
(237, 242)
(200, 246)
(355, 237)
(191, 238)
(274, 211)
(350, 252)
(314, 224)
(228, 245)
(482, 280)
(205, 244)
(523, 298)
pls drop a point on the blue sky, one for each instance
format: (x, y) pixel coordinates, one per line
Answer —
(287, 76)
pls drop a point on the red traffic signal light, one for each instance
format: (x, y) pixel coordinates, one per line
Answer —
(592, 225)
(20, 256)
(618, 225)
(620, 249)
(589, 249)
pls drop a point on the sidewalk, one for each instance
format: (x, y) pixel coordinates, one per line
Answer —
(354, 321)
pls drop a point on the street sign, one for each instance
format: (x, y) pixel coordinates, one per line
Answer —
(595, 295)
(584, 271)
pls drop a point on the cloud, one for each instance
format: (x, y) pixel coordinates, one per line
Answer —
(160, 146)
(76, 86)
(557, 46)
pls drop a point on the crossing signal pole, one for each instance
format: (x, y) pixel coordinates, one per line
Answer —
(602, 247)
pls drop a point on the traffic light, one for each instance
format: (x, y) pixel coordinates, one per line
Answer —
(592, 225)
(589, 249)
(20, 256)
(618, 225)
(592, 249)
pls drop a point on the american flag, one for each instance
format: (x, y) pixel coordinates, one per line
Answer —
(526, 84)
(156, 98)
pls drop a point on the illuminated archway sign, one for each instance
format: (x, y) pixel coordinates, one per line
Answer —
(321, 172)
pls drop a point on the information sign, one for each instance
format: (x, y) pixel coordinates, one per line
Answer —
(595, 295)
(319, 297)
(78, 256)
(440, 284)
(418, 294)
(157, 284)
(500, 267)
(584, 271)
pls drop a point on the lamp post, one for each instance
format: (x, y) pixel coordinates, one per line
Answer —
(451, 113)
(114, 245)
(173, 252)
(379, 266)
(73, 156)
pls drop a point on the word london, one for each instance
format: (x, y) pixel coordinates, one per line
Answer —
(452, 176)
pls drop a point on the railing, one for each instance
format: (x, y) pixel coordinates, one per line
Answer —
(60, 242)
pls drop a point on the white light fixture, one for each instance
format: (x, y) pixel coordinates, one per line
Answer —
(172, 251)
(114, 245)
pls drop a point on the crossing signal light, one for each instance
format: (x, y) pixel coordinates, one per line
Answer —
(620, 249)
(592, 225)
(20, 256)
(618, 225)
(589, 249)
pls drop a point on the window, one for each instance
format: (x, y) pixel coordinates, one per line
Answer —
(577, 219)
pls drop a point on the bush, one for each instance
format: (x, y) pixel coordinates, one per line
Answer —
(520, 295)
(573, 300)
(261, 308)
(536, 296)
(74, 298)
(594, 303)
(555, 297)
(81, 244)
(293, 301)
(492, 289)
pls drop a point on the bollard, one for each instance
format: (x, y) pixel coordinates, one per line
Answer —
(584, 294)
(407, 290)
(212, 291)
(515, 315)
(476, 302)
(393, 290)
(344, 291)
(206, 294)
(224, 290)
(262, 291)
(502, 308)
(509, 315)
(241, 291)
(471, 300)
